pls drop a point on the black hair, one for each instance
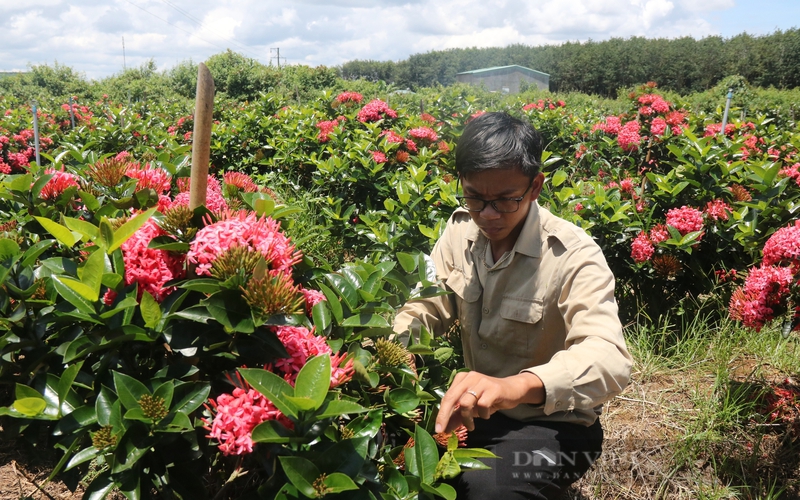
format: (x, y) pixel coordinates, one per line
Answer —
(498, 140)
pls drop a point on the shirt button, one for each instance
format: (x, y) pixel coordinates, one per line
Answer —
(485, 310)
(558, 404)
(484, 345)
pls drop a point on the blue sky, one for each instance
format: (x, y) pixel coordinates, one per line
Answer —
(88, 34)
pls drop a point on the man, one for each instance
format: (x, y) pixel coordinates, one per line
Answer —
(539, 326)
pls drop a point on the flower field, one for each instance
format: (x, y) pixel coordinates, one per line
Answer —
(239, 350)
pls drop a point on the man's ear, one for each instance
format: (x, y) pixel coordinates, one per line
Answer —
(536, 186)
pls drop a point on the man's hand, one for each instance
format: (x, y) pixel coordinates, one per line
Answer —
(474, 395)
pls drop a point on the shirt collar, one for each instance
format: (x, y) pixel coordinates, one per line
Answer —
(529, 241)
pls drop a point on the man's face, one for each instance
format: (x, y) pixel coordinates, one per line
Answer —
(502, 229)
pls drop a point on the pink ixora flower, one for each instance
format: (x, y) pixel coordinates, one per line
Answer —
(235, 416)
(659, 233)
(243, 229)
(215, 201)
(60, 182)
(301, 344)
(783, 247)
(150, 268)
(685, 219)
(378, 156)
(658, 126)
(346, 97)
(718, 210)
(424, 134)
(628, 137)
(641, 248)
(150, 177)
(611, 126)
(762, 297)
(241, 181)
(375, 110)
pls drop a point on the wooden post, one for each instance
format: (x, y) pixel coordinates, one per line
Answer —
(201, 137)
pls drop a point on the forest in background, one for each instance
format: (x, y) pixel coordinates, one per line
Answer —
(681, 65)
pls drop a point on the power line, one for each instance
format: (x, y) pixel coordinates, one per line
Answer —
(202, 25)
(175, 26)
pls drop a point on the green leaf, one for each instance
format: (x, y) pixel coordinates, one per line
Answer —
(407, 261)
(271, 431)
(167, 242)
(100, 487)
(401, 400)
(85, 291)
(61, 233)
(106, 234)
(333, 302)
(314, 380)
(30, 407)
(558, 178)
(443, 490)
(337, 482)
(448, 467)
(131, 226)
(367, 320)
(231, 311)
(88, 230)
(66, 380)
(422, 458)
(151, 310)
(321, 314)
(33, 253)
(337, 408)
(91, 273)
(345, 290)
(82, 456)
(366, 425)
(273, 387)
(129, 390)
(71, 296)
(301, 473)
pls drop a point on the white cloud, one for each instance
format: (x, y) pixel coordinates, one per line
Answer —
(87, 34)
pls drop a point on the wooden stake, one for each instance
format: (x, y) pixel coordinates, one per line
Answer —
(201, 137)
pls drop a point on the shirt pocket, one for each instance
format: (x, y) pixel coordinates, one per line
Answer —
(467, 293)
(522, 322)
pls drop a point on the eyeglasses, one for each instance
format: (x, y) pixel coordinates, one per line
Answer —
(500, 205)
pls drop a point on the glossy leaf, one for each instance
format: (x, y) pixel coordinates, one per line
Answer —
(314, 380)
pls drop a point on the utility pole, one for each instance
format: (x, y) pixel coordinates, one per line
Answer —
(124, 66)
(278, 56)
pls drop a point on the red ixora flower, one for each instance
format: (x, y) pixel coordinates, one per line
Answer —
(346, 97)
(718, 209)
(149, 177)
(215, 201)
(247, 230)
(375, 110)
(235, 416)
(641, 248)
(424, 134)
(628, 137)
(60, 182)
(241, 181)
(685, 219)
(150, 268)
(762, 297)
(783, 247)
(301, 344)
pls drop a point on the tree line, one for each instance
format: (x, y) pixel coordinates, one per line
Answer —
(684, 65)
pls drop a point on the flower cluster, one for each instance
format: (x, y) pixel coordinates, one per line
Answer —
(543, 104)
(628, 136)
(349, 97)
(652, 103)
(150, 268)
(246, 230)
(376, 110)
(611, 126)
(215, 201)
(769, 289)
(424, 134)
(301, 344)
(235, 417)
(718, 210)
(685, 219)
(57, 184)
(641, 248)
(326, 127)
(150, 177)
(240, 181)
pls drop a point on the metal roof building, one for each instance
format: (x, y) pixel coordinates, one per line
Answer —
(505, 79)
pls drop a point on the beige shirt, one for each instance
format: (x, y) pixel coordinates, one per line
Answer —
(546, 307)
